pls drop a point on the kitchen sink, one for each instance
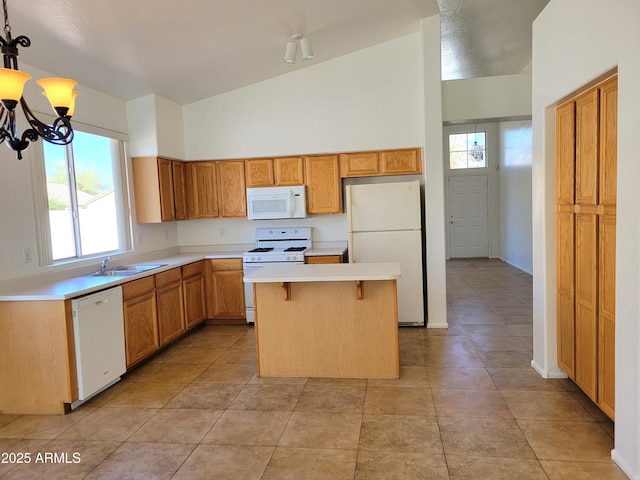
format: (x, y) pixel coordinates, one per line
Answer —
(127, 270)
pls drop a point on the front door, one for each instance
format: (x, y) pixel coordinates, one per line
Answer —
(468, 216)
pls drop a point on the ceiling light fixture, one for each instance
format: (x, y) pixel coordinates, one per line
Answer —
(59, 92)
(292, 48)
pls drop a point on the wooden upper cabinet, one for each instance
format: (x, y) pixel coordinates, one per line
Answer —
(165, 178)
(608, 141)
(179, 190)
(202, 181)
(401, 162)
(233, 198)
(565, 153)
(359, 164)
(259, 172)
(587, 148)
(268, 172)
(324, 190)
(406, 161)
(288, 171)
(156, 190)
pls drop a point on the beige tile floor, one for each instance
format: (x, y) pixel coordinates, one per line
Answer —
(467, 406)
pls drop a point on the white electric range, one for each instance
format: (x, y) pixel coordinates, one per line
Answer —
(281, 245)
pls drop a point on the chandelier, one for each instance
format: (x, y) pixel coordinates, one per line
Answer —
(59, 92)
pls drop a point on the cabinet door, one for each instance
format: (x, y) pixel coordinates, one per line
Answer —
(587, 146)
(233, 197)
(319, 259)
(565, 301)
(228, 294)
(288, 171)
(324, 192)
(607, 312)
(225, 288)
(401, 162)
(194, 309)
(170, 305)
(165, 178)
(203, 190)
(259, 172)
(565, 153)
(360, 164)
(608, 142)
(140, 327)
(179, 192)
(586, 303)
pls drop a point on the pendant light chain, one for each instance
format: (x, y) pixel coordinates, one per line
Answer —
(7, 27)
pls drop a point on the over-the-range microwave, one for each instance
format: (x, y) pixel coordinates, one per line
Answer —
(270, 203)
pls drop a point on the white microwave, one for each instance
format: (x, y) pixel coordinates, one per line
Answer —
(270, 203)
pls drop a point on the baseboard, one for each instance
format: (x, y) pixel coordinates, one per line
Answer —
(623, 465)
(516, 266)
(546, 374)
(437, 325)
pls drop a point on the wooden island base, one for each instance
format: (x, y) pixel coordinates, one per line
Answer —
(327, 329)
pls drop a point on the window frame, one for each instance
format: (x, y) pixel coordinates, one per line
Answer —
(467, 170)
(41, 201)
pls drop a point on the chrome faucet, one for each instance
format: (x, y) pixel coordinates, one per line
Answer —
(103, 265)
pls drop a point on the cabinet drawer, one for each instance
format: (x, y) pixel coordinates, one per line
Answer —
(226, 264)
(136, 288)
(192, 270)
(167, 278)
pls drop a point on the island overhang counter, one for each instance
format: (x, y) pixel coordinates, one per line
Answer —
(327, 320)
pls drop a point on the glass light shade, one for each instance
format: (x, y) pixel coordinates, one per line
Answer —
(12, 84)
(72, 107)
(58, 91)
(307, 51)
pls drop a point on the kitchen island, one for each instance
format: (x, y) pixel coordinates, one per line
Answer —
(332, 320)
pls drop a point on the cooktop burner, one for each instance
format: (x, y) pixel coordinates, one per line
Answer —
(261, 249)
(295, 249)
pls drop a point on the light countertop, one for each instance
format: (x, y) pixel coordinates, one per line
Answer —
(332, 272)
(84, 283)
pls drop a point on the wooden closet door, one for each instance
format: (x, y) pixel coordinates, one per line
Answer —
(587, 148)
(607, 314)
(565, 236)
(586, 304)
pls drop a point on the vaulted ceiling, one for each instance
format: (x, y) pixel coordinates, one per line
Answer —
(194, 49)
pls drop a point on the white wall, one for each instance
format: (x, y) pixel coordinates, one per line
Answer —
(575, 42)
(487, 97)
(515, 194)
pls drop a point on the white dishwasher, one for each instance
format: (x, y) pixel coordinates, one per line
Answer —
(98, 330)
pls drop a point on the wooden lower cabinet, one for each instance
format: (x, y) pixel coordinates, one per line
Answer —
(140, 319)
(169, 296)
(225, 288)
(194, 294)
(319, 259)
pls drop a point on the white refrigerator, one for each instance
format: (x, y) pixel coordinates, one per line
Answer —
(385, 225)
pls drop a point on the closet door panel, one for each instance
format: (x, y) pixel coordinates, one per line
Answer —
(565, 277)
(587, 148)
(565, 153)
(608, 142)
(607, 314)
(586, 303)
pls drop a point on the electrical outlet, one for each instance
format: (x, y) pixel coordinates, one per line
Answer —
(139, 238)
(221, 232)
(166, 234)
(26, 254)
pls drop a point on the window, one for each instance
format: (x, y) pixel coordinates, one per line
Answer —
(83, 192)
(467, 150)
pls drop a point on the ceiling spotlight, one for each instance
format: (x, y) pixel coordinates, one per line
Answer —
(292, 48)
